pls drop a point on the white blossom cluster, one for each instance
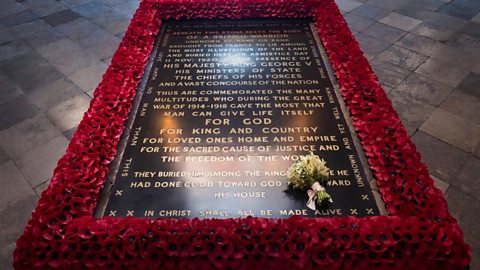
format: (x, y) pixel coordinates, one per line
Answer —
(308, 170)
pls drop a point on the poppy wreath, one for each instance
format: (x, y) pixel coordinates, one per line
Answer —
(418, 234)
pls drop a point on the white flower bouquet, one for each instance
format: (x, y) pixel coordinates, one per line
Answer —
(311, 173)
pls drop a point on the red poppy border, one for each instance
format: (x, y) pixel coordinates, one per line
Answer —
(420, 233)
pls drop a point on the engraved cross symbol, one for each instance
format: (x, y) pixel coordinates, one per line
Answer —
(365, 197)
(354, 211)
(369, 211)
(113, 213)
(130, 213)
(119, 192)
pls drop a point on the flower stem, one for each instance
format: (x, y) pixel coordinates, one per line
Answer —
(323, 197)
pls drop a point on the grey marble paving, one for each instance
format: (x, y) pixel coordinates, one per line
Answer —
(13, 48)
(14, 182)
(88, 78)
(425, 52)
(370, 12)
(53, 93)
(472, 29)
(439, 71)
(445, 20)
(9, 90)
(388, 4)
(453, 129)
(10, 7)
(385, 32)
(25, 30)
(27, 134)
(476, 68)
(443, 159)
(18, 18)
(372, 45)
(471, 84)
(402, 57)
(69, 133)
(477, 151)
(67, 56)
(388, 73)
(434, 31)
(461, 10)
(410, 109)
(347, 5)
(68, 114)
(14, 218)
(44, 7)
(467, 43)
(91, 9)
(430, 5)
(466, 208)
(16, 110)
(469, 177)
(32, 66)
(442, 185)
(453, 56)
(400, 21)
(61, 17)
(463, 105)
(420, 44)
(424, 89)
(113, 21)
(357, 23)
(43, 38)
(77, 29)
(101, 42)
(36, 164)
(128, 8)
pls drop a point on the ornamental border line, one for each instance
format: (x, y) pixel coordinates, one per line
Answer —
(419, 233)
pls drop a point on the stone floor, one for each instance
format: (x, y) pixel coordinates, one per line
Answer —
(53, 54)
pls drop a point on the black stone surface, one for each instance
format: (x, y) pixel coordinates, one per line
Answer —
(227, 108)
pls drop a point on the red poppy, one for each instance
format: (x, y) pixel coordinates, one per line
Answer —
(419, 233)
